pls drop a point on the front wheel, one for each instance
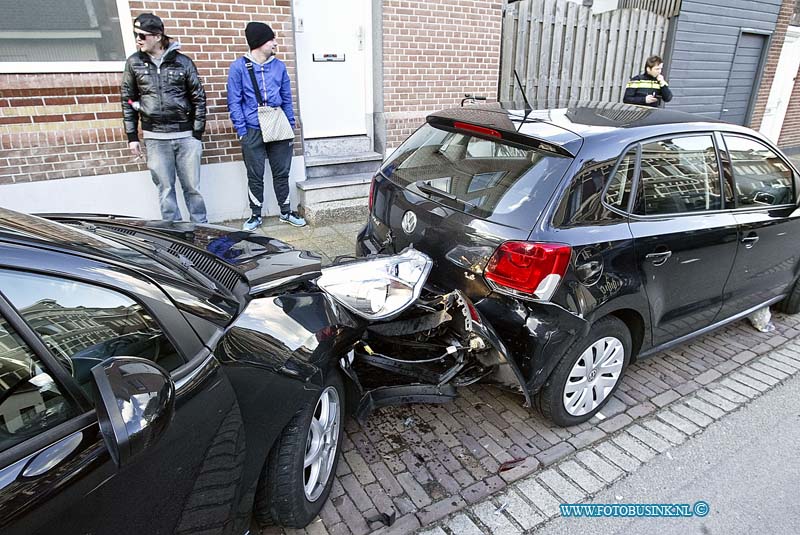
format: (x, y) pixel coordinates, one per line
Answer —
(302, 464)
(588, 374)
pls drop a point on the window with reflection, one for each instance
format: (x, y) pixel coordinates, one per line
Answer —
(83, 324)
(30, 401)
(760, 176)
(582, 202)
(679, 175)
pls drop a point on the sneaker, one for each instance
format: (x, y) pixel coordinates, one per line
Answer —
(293, 219)
(253, 223)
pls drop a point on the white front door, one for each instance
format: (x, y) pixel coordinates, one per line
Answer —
(332, 43)
(782, 85)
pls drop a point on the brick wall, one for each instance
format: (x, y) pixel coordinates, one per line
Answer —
(790, 132)
(66, 125)
(776, 44)
(433, 53)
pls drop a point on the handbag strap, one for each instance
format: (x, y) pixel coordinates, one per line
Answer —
(255, 83)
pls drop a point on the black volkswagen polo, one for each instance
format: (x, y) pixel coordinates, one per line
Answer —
(592, 235)
(178, 378)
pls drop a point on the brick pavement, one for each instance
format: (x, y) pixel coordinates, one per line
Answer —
(426, 463)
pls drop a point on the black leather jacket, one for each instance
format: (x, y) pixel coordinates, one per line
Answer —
(171, 97)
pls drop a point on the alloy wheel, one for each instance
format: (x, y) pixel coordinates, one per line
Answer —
(322, 443)
(594, 376)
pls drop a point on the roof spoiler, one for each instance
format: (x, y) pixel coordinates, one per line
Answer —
(507, 135)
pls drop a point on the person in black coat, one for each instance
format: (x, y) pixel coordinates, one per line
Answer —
(650, 88)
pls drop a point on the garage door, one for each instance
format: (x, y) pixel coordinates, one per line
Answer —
(742, 81)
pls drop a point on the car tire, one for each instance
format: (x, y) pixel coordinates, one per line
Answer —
(791, 303)
(606, 349)
(289, 493)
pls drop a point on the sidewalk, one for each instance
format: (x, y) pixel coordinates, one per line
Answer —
(328, 241)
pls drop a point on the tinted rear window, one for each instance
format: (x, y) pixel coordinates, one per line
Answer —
(482, 177)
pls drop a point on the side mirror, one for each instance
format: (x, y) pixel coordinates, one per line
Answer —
(135, 401)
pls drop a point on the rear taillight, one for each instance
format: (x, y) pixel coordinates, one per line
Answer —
(529, 268)
(372, 192)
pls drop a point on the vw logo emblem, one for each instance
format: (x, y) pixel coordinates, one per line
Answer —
(409, 222)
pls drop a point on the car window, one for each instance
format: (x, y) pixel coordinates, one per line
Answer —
(760, 176)
(485, 178)
(679, 175)
(30, 401)
(83, 324)
(618, 192)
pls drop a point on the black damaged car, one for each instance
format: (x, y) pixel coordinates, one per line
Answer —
(178, 378)
(592, 235)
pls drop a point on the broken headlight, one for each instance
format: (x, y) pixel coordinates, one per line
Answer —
(378, 288)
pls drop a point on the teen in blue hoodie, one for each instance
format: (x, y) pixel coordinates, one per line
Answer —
(273, 84)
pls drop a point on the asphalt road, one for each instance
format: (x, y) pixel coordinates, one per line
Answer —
(746, 467)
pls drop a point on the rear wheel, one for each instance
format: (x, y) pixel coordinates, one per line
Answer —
(790, 303)
(301, 466)
(588, 374)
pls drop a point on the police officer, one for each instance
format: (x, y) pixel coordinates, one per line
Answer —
(650, 88)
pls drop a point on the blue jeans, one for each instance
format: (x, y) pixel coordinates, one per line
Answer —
(167, 158)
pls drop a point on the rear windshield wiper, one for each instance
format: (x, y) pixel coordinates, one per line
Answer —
(436, 192)
(180, 262)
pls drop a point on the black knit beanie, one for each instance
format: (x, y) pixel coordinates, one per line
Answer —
(257, 34)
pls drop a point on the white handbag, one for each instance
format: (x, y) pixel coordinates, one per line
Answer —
(273, 122)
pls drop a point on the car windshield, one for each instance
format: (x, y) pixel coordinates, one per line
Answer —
(483, 177)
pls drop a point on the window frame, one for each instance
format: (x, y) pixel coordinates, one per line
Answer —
(637, 182)
(42, 67)
(777, 153)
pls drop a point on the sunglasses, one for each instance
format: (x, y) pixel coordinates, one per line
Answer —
(142, 36)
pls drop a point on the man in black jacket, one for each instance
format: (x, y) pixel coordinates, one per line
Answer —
(650, 88)
(161, 87)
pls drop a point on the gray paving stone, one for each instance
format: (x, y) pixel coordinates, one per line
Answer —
(359, 467)
(568, 492)
(708, 376)
(433, 531)
(461, 524)
(749, 381)
(628, 463)
(351, 515)
(616, 423)
(526, 467)
(355, 491)
(726, 367)
(413, 489)
(787, 359)
(716, 400)
(316, 528)
(739, 388)
(584, 438)
(606, 471)
(632, 447)
(556, 453)
(496, 522)
(665, 398)
(687, 388)
(402, 526)
(744, 356)
(520, 510)
(540, 496)
(666, 431)
(642, 409)
(769, 370)
(482, 489)
(386, 479)
(581, 476)
(613, 407)
(436, 511)
(759, 376)
(648, 438)
(727, 393)
(706, 408)
(678, 422)
(694, 416)
(776, 363)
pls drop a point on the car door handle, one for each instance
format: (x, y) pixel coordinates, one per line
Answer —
(749, 241)
(659, 259)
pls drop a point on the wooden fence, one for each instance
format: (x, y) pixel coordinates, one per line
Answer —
(562, 51)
